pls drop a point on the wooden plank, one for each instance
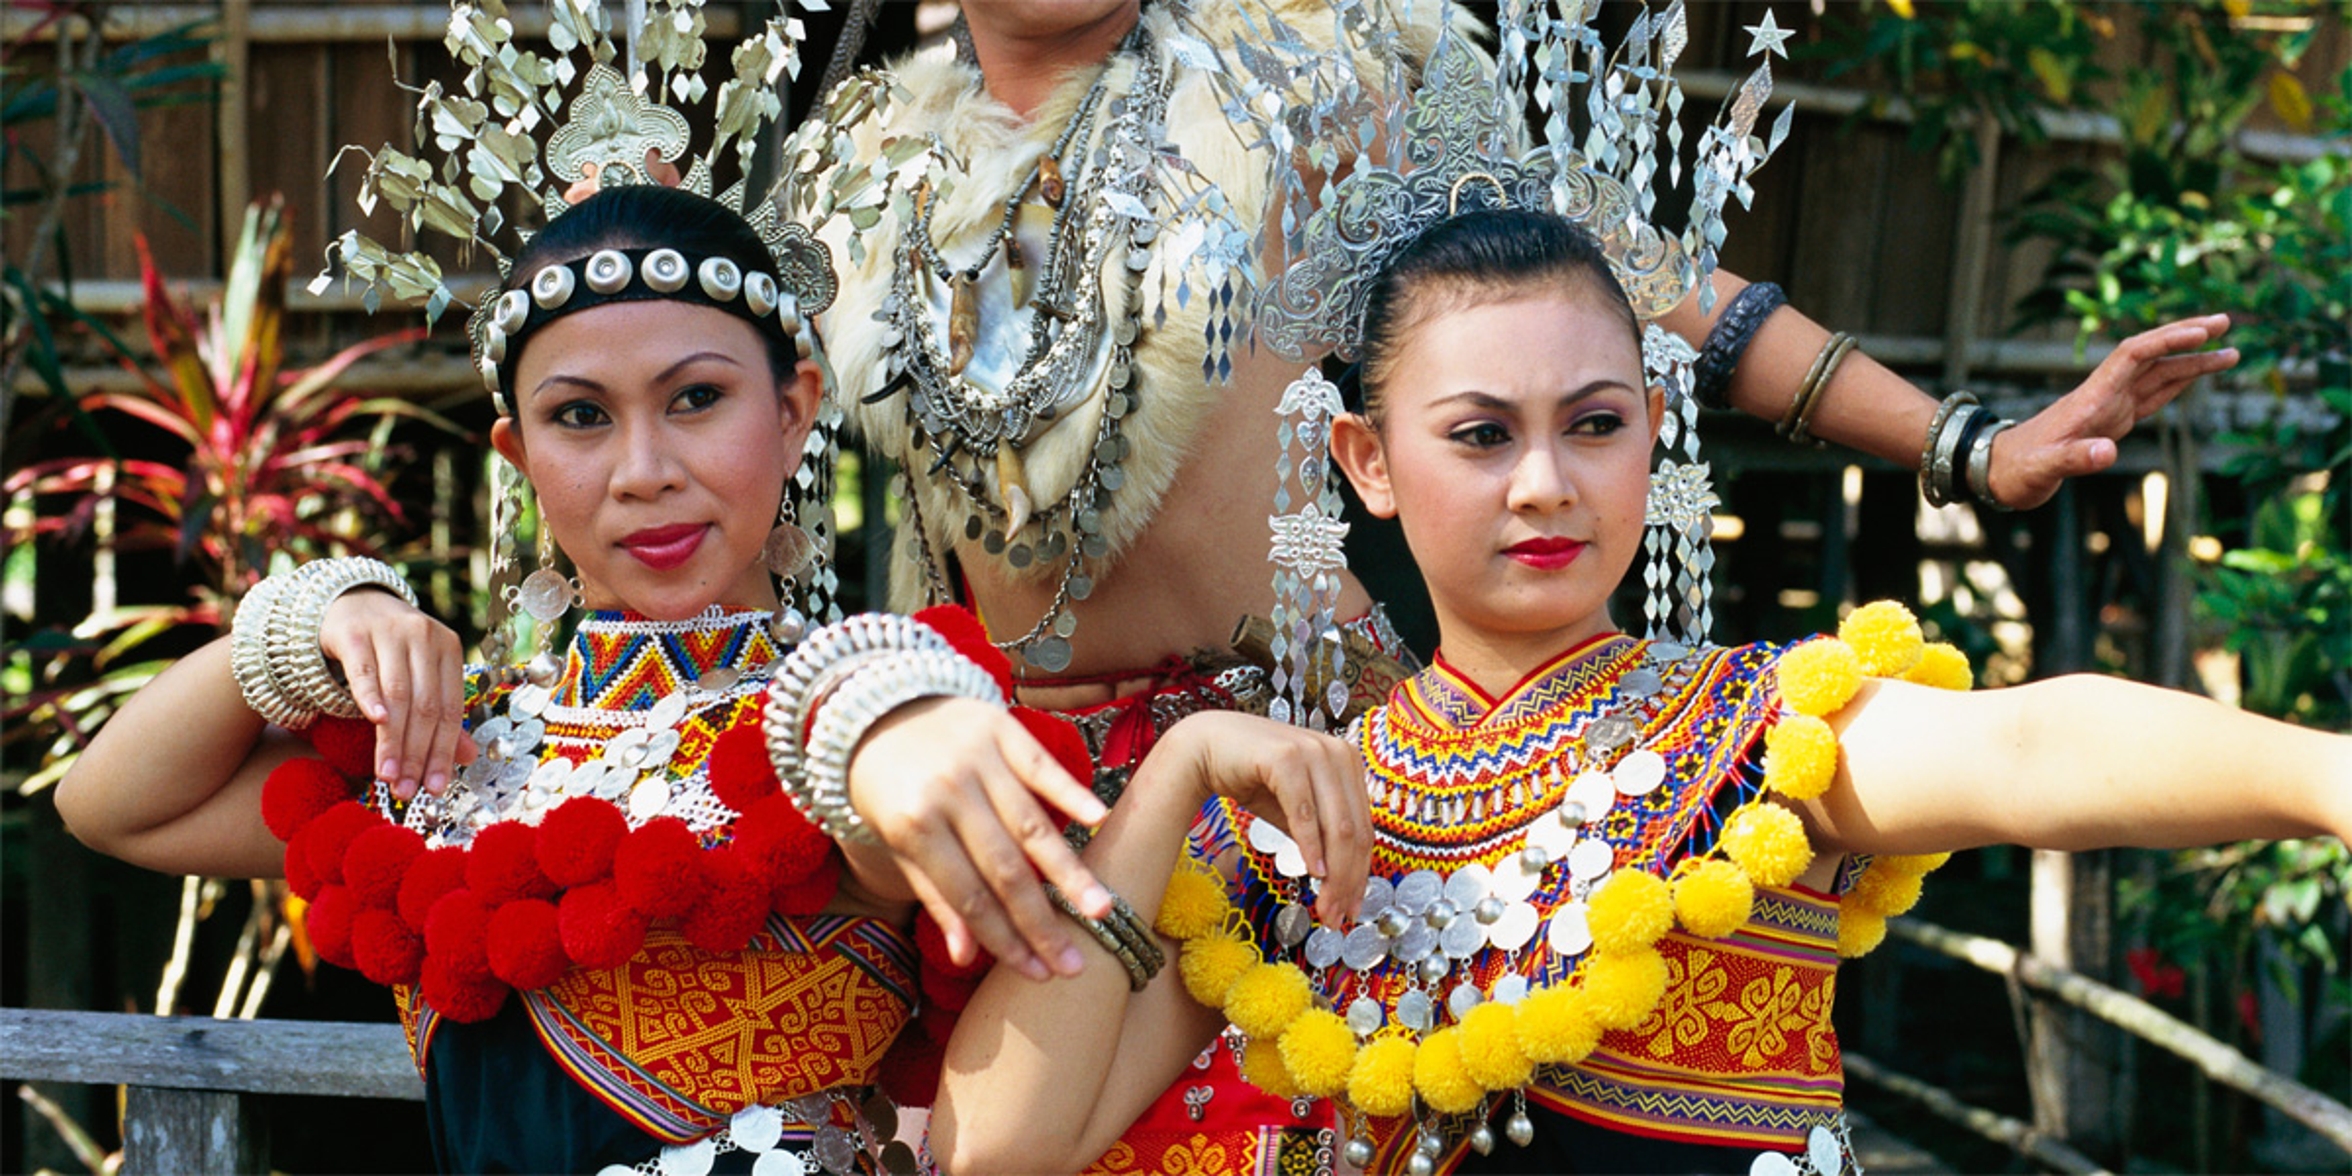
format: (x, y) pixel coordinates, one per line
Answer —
(198, 1053)
(167, 1132)
(286, 91)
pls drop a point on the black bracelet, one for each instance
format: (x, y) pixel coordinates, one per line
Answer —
(1729, 339)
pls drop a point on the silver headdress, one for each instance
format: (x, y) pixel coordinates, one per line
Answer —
(1451, 139)
(522, 123)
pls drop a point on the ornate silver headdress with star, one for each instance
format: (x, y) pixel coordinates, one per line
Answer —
(1452, 140)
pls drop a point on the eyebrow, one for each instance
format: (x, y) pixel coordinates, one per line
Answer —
(664, 374)
(1493, 403)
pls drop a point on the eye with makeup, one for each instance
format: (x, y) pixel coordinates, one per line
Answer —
(697, 397)
(578, 414)
(1598, 423)
(1480, 435)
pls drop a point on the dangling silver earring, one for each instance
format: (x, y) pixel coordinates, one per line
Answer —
(1680, 564)
(788, 553)
(545, 595)
(1309, 556)
(800, 549)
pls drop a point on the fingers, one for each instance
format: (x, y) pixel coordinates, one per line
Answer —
(1012, 843)
(1346, 825)
(962, 949)
(1045, 777)
(992, 887)
(2079, 458)
(397, 684)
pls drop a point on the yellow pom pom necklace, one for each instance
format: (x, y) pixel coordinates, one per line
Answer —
(1466, 973)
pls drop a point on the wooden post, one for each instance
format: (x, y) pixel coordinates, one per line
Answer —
(167, 1132)
(1972, 253)
(235, 174)
(2070, 1063)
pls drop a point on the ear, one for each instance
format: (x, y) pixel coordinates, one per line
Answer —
(1657, 411)
(1355, 445)
(801, 393)
(508, 441)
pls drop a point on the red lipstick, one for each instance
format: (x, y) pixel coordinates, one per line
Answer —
(1546, 554)
(663, 548)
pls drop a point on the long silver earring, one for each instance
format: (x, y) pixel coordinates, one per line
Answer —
(1309, 554)
(1680, 520)
(545, 595)
(788, 554)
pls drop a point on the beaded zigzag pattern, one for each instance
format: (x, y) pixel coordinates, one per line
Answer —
(618, 663)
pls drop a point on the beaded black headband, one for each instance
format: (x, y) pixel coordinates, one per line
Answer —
(630, 275)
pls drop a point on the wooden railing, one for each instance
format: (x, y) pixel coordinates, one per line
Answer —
(187, 1078)
(2329, 1119)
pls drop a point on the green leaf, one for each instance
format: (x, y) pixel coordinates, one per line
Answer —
(116, 114)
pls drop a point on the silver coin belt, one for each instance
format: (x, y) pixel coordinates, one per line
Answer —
(509, 780)
(795, 1138)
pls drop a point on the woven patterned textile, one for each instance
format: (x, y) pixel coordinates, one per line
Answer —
(1741, 1051)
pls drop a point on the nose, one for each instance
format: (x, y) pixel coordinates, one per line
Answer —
(1541, 481)
(647, 468)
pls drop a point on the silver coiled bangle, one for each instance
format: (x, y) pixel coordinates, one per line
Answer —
(249, 658)
(295, 659)
(851, 710)
(1980, 466)
(1938, 460)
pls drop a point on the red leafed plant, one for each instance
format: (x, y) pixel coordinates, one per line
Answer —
(278, 460)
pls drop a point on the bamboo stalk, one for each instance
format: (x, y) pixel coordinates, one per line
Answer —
(84, 1148)
(241, 960)
(175, 969)
(2016, 1134)
(267, 974)
(2331, 1119)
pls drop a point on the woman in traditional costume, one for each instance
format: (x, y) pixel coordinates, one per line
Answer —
(1048, 330)
(1611, 878)
(638, 896)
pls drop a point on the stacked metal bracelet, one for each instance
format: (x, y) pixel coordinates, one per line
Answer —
(274, 649)
(1734, 329)
(1797, 425)
(1123, 934)
(838, 683)
(1957, 461)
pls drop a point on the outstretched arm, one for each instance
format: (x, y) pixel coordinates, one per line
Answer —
(1869, 408)
(1046, 1077)
(2079, 762)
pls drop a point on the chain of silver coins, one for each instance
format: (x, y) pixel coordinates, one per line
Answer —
(952, 417)
(1427, 926)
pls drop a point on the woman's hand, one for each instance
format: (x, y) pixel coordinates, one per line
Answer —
(407, 672)
(960, 793)
(1308, 784)
(2077, 435)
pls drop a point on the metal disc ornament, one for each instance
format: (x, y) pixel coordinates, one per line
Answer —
(788, 551)
(545, 594)
(1049, 654)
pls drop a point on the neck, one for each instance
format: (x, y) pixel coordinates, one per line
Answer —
(1023, 57)
(1496, 662)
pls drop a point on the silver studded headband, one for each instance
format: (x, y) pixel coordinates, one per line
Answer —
(628, 275)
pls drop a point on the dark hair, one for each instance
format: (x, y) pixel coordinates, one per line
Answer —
(651, 216)
(1476, 257)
